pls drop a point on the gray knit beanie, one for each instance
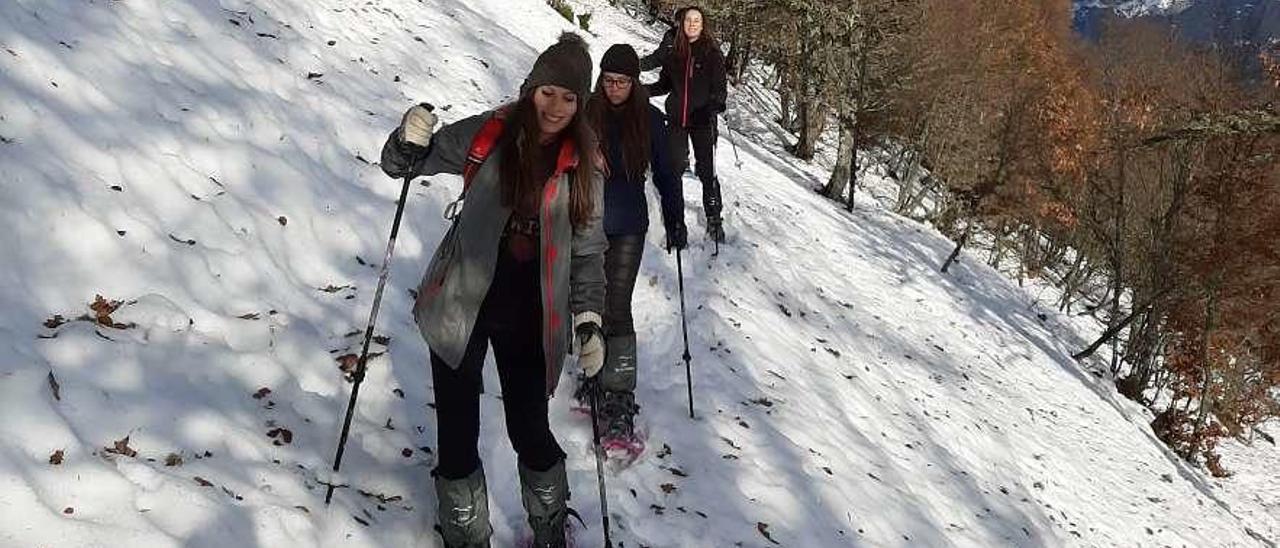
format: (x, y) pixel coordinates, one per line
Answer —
(566, 64)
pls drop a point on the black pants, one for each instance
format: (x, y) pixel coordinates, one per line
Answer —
(621, 266)
(704, 156)
(510, 319)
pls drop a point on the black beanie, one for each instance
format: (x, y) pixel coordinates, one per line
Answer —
(566, 64)
(622, 59)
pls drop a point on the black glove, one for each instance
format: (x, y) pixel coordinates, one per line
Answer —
(677, 237)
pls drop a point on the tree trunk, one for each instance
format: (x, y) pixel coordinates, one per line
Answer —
(928, 184)
(1115, 329)
(997, 246)
(1069, 285)
(743, 61)
(1206, 363)
(735, 47)
(959, 245)
(855, 136)
(835, 186)
(813, 117)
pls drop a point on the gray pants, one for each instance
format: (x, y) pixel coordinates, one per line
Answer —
(621, 267)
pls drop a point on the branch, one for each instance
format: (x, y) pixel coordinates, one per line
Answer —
(1239, 123)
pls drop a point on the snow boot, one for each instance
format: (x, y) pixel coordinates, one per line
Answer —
(619, 373)
(713, 206)
(546, 499)
(464, 511)
(618, 415)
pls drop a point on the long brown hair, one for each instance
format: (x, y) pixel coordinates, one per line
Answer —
(521, 158)
(633, 115)
(705, 40)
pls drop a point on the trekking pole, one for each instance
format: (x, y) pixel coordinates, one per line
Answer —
(414, 152)
(595, 438)
(684, 326)
(737, 160)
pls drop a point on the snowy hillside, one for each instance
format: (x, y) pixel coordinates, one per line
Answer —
(1137, 8)
(209, 164)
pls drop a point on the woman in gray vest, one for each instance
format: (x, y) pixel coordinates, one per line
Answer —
(522, 268)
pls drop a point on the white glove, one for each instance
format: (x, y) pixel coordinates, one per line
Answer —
(590, 342)
(417, 125)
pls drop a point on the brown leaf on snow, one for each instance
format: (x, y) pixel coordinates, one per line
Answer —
(668, 488)
(173, 459)
(102, 309)
(203, 482)
(764, 530)
(55, 321)
(261, 393)
(55, 387)
(56, 457)
(282, 436)
(121, 447)
(347, 363)
(68, 510)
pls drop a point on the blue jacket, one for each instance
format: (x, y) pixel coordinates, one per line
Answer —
(626, 210)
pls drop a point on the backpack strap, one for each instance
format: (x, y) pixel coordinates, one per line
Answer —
(481, 145)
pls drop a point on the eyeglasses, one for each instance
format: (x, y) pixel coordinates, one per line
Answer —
(617, 82)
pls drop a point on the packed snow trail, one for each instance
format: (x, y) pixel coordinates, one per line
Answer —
(211, 165)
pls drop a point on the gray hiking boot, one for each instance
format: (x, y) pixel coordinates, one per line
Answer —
(546, 499)
(464, 511)
(619, 373)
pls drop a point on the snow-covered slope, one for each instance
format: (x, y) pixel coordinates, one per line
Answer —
(1137, 8)
(209, 164)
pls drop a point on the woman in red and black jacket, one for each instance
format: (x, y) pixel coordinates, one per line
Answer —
(693, 78)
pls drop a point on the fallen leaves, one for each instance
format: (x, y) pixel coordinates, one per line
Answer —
(55, 387)
(763, 528)
(56, 458)
(668, 488)
(100, 309)
(665, 452)
(261, 393)
(121, 447)
(281, 436)
(103, 309)
(202, 482)
(173, 459)
(347, 364)
(381, 498)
